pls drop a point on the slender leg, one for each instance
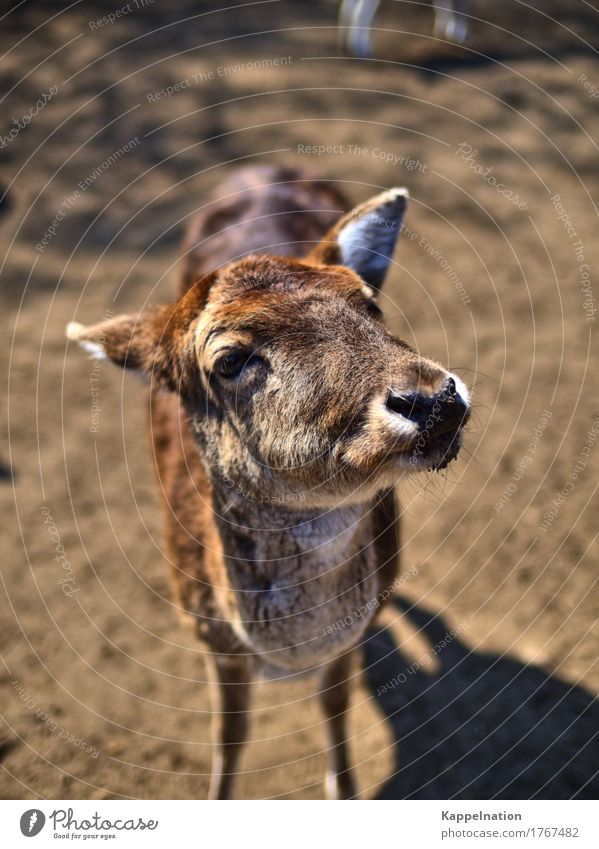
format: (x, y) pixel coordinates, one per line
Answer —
(448, 24)
(359, 15)
(460, 32)
(334, 698)
(346, 11)
(231, 689)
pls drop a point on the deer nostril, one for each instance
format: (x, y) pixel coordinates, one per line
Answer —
(434, 414)
(451, 397)
(410, 405)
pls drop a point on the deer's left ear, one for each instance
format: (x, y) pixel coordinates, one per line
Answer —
(364, 239)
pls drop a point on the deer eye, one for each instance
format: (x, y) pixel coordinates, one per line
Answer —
(233, 362)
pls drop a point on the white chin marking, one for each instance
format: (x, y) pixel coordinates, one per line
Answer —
(461, 388)
(401, 426)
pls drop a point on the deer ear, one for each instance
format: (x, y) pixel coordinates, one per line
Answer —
(122, 339)
(159, 342)
(364, 238)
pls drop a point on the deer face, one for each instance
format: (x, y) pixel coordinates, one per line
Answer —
(292, 383)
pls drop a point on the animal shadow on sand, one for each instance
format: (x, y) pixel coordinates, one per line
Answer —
(481, 726)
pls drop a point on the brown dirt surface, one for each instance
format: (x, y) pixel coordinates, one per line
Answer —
(482, 681)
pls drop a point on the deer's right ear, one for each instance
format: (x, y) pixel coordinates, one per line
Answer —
(365, 238)
(158, 342)
(126, 340)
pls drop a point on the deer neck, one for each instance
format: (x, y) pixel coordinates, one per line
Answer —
(267, 533)
(293, 575)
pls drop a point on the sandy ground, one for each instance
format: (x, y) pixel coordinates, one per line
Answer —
(482, 681)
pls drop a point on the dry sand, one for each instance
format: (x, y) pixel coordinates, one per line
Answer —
(103, 692)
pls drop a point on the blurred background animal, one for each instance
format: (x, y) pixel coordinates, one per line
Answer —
(356, 19)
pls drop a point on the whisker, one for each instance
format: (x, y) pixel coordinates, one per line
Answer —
(476, 372)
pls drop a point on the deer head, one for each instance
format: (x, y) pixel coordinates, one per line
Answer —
(290, 380)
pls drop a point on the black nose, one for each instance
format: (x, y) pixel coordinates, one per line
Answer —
(434, 414)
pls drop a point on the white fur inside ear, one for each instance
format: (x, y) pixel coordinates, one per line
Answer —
(76, 332)
(97, 351)
(367, 240)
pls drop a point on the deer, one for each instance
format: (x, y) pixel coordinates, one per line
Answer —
(356, 17)
(283, 413)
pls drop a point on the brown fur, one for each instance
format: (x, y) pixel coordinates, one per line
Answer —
(278, 484)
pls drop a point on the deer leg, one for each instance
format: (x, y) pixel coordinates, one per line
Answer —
(346, 10)
(231, 682)
(334, 699)
(448, 24)
(359, 37)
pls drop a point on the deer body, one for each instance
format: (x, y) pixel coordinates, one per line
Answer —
(282, 413)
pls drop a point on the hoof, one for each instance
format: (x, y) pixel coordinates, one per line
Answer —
(340, 786)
